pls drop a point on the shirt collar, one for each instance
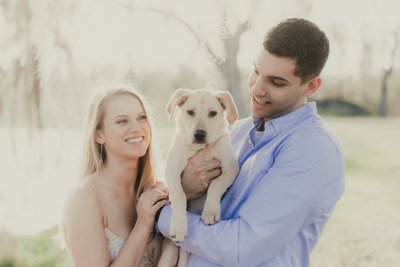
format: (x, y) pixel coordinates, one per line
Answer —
(288, 120)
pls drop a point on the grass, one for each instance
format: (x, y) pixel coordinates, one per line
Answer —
(32, 251)
(363, 231)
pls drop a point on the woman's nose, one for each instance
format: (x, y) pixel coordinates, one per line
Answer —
(134, 126)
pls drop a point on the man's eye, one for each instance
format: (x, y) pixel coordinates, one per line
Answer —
(190, 112)
(212, 114)
(277, 84)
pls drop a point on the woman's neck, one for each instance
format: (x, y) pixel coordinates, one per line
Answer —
(120, 175)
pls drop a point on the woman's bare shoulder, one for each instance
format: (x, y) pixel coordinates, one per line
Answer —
(82, 197)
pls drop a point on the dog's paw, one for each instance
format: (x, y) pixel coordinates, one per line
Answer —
(178, 229)
(211, 213)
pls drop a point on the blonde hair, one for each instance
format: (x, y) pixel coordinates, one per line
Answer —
(94, 156)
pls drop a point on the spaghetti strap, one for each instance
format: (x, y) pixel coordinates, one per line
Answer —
(101, 205)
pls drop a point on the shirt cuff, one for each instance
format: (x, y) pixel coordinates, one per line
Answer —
(164, 220)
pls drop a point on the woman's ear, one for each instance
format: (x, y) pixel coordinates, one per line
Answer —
(98, 137)
(312, 86)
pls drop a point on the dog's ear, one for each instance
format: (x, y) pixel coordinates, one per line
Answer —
(226, 101)
(177, 99)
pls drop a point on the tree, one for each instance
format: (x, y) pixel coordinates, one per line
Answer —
(387, 73)
(389, 20)
(21, 86)
(226, 63)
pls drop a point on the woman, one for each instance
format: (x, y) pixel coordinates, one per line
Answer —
(109, 216)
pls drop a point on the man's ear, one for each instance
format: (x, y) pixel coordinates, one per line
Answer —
(312, 86)
(178, 98)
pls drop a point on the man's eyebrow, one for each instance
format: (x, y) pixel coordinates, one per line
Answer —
(273, 77)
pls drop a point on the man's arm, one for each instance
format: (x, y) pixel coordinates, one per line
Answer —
(285, 200)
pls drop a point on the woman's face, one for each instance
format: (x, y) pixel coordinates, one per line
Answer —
(126, 132)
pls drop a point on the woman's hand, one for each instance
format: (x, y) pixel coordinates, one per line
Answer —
(151, 200)
(198, 174)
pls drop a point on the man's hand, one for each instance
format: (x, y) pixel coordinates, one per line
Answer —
(199, 173)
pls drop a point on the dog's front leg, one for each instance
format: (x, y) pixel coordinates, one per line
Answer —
(169, 255)
(212, 207)
(229, 167)
(178, 227)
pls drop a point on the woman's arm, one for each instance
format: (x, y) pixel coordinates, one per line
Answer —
(85, 233)
(84, 229)
(148, 205)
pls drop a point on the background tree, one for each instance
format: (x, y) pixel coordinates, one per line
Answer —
(387, 73)
(21, 91)
(222, 52)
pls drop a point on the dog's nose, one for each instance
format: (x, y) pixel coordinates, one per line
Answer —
(200, 136)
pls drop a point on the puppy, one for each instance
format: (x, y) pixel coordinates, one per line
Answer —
(201, 118)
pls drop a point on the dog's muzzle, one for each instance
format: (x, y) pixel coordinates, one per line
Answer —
(200, 136)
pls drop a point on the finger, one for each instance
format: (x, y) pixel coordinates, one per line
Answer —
(201, 153)
(159, 197)
(160, 204)
(158, 191)
(162, 186)
(213, 174)
(209, 166)
(199, 157)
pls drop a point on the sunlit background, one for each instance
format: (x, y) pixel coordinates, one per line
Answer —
(51, 52)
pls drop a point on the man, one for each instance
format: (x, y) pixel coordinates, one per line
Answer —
(291, 168)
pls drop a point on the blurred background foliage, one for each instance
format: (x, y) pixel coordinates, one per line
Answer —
(32, 250)
(53, 51)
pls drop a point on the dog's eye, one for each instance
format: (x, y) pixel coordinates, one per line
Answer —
(190, 112)
(212, 114)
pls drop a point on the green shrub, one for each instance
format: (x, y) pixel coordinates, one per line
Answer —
(32, 251)
(340, 107)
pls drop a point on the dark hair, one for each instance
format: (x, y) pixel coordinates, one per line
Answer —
(300, 40)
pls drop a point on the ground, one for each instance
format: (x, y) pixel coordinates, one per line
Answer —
(364, 230)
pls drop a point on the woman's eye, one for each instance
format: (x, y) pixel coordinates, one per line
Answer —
(122, 121)
(190, 112)
(143, 118)
(212, 114)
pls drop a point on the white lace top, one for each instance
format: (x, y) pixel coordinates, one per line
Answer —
(115, 244)
(151, 254)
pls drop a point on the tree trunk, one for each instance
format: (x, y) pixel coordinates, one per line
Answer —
(230, 70)
(382, 111)
(383, 101)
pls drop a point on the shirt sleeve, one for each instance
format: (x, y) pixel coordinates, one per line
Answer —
(285, 200)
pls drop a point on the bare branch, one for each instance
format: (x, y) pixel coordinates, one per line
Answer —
(380, 15)
(169, 14)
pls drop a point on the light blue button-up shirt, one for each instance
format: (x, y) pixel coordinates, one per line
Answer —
(274, 213)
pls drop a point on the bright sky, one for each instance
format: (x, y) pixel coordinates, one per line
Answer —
(106, 33)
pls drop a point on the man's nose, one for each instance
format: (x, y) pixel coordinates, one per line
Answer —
(259, 87)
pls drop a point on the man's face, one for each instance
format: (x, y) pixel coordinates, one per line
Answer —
(274, 89)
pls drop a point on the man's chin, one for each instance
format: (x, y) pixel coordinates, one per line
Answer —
(256, 113)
